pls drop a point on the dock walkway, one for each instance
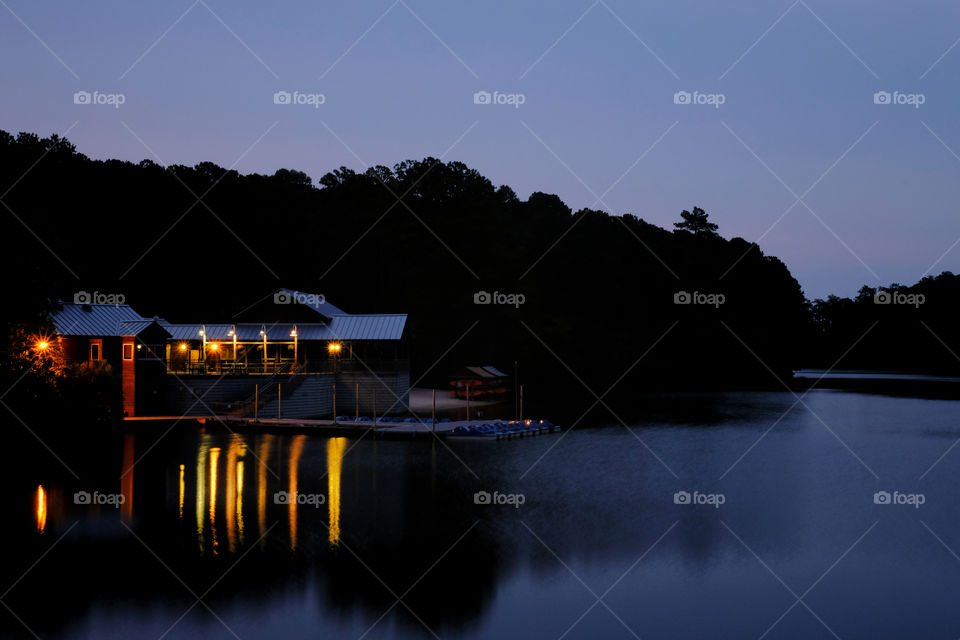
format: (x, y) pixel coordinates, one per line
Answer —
(351, 427)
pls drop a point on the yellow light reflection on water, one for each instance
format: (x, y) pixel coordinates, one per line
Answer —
(201, 498)
(264, 446)
(233, 498)
(240, 500)
(182, 491)
(335, 451)
(229, 502)
(41, 508)
(296, 449)
(214, 459)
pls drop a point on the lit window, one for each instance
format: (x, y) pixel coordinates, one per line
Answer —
(128, 351)
(95, 348)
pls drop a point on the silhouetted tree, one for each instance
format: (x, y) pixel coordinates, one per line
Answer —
(293, 176)
(696, 222)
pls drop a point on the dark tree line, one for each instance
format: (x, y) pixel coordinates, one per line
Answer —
(201, 243)
(895, 328)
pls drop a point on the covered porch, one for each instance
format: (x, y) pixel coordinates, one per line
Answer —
(267, 350)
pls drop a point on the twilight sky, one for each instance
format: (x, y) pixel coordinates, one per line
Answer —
(799, 156)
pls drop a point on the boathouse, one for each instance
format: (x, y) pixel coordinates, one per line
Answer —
(118, 335)
(293, 355)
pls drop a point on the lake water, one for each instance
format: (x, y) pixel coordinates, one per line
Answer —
(779, 533)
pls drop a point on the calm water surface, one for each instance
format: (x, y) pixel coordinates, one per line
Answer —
(386, 539)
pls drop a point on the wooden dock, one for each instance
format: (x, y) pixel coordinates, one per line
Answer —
(416, 429)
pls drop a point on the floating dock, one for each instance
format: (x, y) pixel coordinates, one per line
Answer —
(408, 428)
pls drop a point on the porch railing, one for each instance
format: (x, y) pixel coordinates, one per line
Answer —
(283, 366)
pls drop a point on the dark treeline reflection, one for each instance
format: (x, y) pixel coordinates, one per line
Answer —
(201, 501)
(209, 508)
(367, 512)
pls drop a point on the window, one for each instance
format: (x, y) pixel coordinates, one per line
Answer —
(95, 350)
(128, 351)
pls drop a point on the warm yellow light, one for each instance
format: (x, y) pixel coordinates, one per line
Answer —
(183, 346)
(183, 486)
(214, 346)
(41, 508)
(334, 347)
(336, 447)
(214, 457)
(41, 342)
(296, 450)
(239, 508)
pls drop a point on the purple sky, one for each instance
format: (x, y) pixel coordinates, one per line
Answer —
(598, 124)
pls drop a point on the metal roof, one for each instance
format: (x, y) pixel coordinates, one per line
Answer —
(134, 327)
(368, 327)
(121, 320)
(94, 319)
(192, 331)
(344, 327)
(314, 301)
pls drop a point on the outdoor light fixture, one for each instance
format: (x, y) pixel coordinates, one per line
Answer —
(183, 346)
(214, 346)
(334, 348)
(40, 342)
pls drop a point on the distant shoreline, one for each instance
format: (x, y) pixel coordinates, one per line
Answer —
(883, 382)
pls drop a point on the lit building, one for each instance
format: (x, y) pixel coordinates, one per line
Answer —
(290, 360)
